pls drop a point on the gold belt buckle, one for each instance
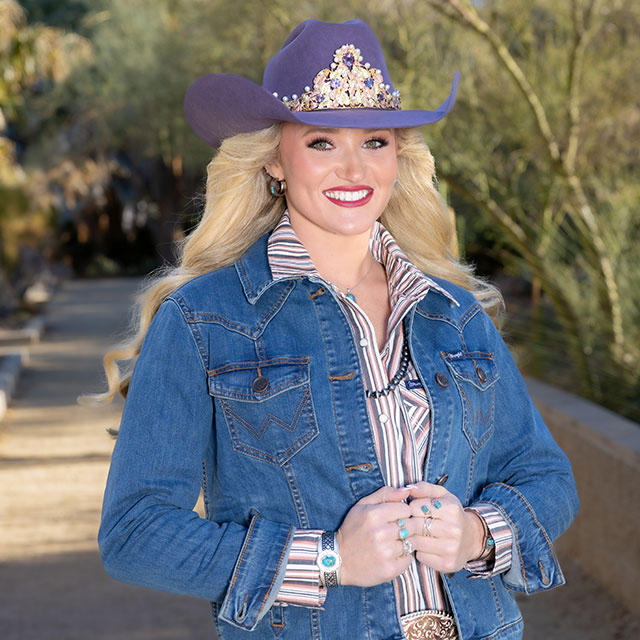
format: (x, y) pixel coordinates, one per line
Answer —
(429, 625)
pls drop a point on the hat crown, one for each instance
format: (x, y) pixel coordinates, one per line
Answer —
(311, 47)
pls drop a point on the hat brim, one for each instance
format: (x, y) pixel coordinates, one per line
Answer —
(221, 105)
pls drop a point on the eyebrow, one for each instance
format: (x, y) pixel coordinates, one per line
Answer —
(331, 130)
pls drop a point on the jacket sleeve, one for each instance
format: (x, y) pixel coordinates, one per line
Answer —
(150, 535)
(531, 481)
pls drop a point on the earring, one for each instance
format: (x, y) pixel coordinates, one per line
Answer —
(277, 187)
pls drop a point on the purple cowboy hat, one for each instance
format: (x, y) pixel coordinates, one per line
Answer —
(326, 74)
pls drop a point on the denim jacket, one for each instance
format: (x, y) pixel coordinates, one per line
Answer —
(251, 390)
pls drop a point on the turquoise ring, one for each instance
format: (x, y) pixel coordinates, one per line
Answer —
(436, 503)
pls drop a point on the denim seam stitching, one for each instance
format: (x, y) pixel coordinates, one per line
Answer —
(245, 279)
(273, 579)
(479, 443)
(333, 402)
(492, 582)
(196, 340)
(437, 316)
(241, 558)
(248, 450)
(517, 535)
(472, 463)
(239, 395)
(504, 628)
(255, 364)
(271, 311)
(470, 313)
(533, 515)
(296, 495)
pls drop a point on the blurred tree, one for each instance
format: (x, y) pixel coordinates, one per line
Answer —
(539, 157)
(32, 58)
(543, 144)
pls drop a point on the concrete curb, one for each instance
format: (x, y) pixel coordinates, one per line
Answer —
(29, 334)
(10, 365)
(14, 354)
(604, 450)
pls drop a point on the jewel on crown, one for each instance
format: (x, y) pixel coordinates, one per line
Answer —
(348, 84)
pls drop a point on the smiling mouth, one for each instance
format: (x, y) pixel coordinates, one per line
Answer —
(349, 198)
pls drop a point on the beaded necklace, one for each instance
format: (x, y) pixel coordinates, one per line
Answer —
(399, 375)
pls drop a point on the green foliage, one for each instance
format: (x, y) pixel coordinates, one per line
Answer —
(539, 157)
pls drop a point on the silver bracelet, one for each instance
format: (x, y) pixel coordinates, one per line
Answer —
(329, 560)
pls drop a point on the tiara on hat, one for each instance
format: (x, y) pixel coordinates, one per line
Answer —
(348, 84)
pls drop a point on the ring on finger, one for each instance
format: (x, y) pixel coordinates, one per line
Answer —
(403, 533)
(426, 527)
(407, 548)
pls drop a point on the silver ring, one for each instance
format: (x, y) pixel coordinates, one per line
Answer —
(426, 527)
(407, 547)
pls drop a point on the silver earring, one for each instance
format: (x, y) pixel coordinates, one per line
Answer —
(277, 187)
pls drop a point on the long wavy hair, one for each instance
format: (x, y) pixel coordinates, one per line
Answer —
(238, 209)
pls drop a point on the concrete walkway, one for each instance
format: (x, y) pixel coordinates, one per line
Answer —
(54, 458)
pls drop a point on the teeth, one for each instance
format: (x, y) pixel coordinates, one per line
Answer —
(348, 196)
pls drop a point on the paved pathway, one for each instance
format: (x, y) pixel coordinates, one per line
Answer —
(54, 458)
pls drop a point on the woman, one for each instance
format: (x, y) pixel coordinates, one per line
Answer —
(330, 375)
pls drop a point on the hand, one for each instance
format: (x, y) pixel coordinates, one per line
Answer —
(455, 534)
(369, 538)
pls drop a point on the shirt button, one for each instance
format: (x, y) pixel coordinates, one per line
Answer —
(442, 380)
(383, 417)
(364, 342)
(260, 384)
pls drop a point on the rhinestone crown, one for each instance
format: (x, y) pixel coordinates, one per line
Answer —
(348, 84)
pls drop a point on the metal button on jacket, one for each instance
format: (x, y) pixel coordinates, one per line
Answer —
(442, 380)
(482, 376)
(260, 384)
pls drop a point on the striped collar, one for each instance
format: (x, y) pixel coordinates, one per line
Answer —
(288, 258)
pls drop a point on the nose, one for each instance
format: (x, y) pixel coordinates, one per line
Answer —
(352, 164)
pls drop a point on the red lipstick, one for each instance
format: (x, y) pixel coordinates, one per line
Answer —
(350, 203)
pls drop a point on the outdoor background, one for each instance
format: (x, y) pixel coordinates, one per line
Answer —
(100, 175)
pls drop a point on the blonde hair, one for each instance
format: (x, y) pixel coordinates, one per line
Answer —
(239, 209)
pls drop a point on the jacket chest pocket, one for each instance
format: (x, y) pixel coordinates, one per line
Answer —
(475, 374)
(267, 406)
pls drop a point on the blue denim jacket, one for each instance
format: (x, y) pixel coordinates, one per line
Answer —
(252, 390)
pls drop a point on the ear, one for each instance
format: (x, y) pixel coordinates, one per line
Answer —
(274, 169)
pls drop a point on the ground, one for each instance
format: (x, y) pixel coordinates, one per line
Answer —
(54, 458)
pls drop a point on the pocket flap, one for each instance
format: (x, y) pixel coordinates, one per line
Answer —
(257, 381)
(476, 367)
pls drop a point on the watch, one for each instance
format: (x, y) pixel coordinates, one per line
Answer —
(329, 560)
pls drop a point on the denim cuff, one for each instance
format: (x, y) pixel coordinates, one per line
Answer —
(534, 565)
(258, 574)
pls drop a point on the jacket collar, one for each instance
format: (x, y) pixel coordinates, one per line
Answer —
(256, 277)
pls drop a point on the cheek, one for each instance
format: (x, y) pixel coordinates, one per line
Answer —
(307, 173)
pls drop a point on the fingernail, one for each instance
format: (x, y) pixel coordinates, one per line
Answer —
(411, 486)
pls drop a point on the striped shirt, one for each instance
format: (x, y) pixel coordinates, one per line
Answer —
(400, 420)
